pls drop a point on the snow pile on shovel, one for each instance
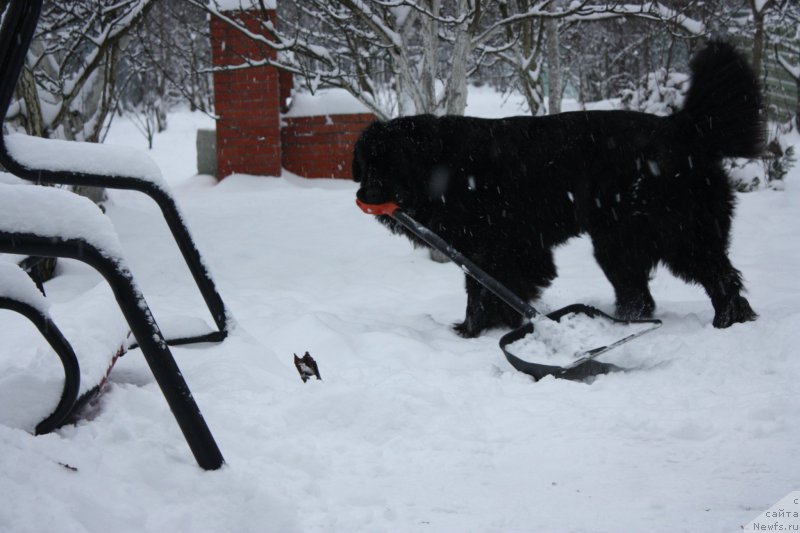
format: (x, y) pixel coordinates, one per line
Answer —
(561, 343)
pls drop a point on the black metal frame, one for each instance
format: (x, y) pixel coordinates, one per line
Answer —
(72, 372)
(144, 328)
(19, 24)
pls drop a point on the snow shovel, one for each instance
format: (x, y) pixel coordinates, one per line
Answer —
(554, 354)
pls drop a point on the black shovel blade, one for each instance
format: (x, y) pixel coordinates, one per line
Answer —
(584, 365)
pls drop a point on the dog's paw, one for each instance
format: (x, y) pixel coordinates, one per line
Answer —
(636, 308)
(466, 330)
(737, 310)
(473, 327)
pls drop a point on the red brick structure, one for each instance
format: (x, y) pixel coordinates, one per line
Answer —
(247, 102)
(252, 136)
(321, 146)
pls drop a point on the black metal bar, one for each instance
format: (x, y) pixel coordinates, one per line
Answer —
(72, 373)
(468, 266)
(191, 256)
(144, 328)
(19, 24)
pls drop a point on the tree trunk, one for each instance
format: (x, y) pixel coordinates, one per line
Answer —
(456, 87)
(553, 67)
(797, 105)
(34, 124)
(430, 59)
(106, 99)
(759, 36)
(406, 104)
(758, 43)
(528, 61)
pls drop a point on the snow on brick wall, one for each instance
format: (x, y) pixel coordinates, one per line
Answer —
(321, 146)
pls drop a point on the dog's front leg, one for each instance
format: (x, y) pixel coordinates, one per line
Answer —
(484, 311)
(475, 319)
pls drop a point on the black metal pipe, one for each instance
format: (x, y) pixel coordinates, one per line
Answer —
(144, 328)
(191, 256)
(62, 347)
(19, 23)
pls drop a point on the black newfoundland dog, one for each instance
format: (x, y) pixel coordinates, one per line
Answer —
(647, 189)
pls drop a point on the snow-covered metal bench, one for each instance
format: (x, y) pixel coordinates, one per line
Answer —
(50, 222)
(19, 293)
(51, 161)
(75, 228)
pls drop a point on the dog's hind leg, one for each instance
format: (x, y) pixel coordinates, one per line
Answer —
(628, 269)
(712, 269)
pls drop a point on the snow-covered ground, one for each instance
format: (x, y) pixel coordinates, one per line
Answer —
(412, 428)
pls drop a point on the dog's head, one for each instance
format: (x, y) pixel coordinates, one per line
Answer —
(392, 161)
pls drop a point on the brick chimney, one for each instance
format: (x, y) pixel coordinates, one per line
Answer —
(247, 100)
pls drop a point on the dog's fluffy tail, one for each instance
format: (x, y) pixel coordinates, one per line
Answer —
(722, 113)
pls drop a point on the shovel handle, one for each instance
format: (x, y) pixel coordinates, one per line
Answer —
(470, 268)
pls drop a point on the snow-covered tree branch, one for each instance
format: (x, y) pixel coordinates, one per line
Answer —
(402, 57)
(69, 84)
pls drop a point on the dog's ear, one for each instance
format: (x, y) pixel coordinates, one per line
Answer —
(369, 139)
(356, 169)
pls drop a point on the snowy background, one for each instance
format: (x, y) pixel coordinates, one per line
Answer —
(412, 428)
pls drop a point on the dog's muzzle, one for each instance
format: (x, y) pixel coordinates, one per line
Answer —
(386, 208)
(372, 196)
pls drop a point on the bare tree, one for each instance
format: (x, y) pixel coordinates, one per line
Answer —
(68, 86)
(787, 50)
(416, 56)
(169, 52)
(553, 66)
(759, 10)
